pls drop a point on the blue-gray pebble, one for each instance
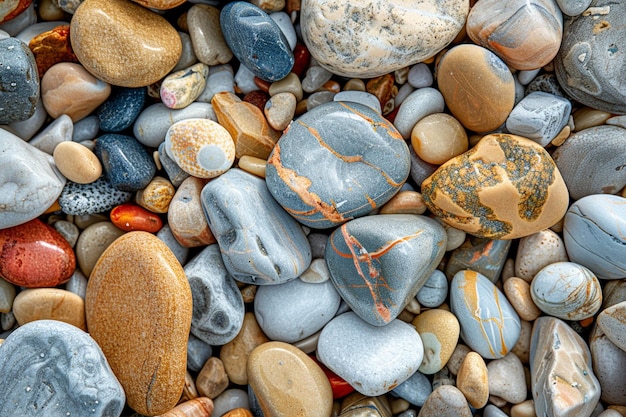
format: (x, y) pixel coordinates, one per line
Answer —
(337, 162)
(260, 242)
(126, 163)
(415, 390)
(594, 236)
(482, 255)
(19, 82)
(256, 40)
(121, 109)
(50, 368)
(97, 197)
(435, 290)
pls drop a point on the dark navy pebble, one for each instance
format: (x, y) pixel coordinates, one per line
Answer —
(121, 109)
(126, 163)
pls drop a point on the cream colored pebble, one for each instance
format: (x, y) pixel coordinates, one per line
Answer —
(280, 109)
(524, 409)
(517, 291)
(405, 202)
(49, 304)
(290, 84)
(587, 117)
(77, 163)
(157, 195)
(438, 138)
(253, 165)
(472, 380)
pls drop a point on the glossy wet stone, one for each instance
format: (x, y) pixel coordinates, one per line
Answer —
(489, 324)
(366, 162)
(186, 216)
(121, 109)
(271, 251)
(96, 197)
(19, 81)
(127, 165)
(367, 261)
(57, 369)
(510, 188)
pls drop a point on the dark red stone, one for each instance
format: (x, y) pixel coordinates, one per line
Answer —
(258, 98)
(302, 58)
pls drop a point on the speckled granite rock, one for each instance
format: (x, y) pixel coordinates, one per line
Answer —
(368, 38)
(97, 197)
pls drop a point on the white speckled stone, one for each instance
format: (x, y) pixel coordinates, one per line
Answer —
(506, 379)
(416, 106)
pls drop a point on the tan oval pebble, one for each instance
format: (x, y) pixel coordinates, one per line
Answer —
(238, 412)
(280, 109)
(7, 295)
(287, 382)
(206, 35)
(587, 117)
(612, 321)
(123, 43)
(439, 137)
(473, 381)
(290, 84)
(459, 353)
(398, 405)
(181, 88)
(139, 309)
(507, 379)
(439, 330)
(212, 379)
(562, 136)
(524, 409)
(248, 293)
(49, 304)
(92, 242)
(404, 202)
(198, 407)
(522, 347)
(68, 88)
(185, 215)
(517, 291)
(157, 195)
(354, 84)
(537, 251)
(508, 270)
(49, 10)
(77, 162)
(445, 401)
(253, 165)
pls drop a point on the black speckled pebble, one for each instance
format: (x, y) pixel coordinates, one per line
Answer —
(97, 197)
(121, 109)
(19, 82)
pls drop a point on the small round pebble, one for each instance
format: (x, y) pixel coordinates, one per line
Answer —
(438, 138)
(77, 163)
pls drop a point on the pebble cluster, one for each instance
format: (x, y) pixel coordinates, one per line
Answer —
(313, 208)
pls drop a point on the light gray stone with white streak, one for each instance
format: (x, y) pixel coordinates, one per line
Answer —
(539, 116)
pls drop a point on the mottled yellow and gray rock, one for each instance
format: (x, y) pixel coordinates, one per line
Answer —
(439, 330)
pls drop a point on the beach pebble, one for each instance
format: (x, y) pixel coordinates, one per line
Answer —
(121, 109)
(77, 284)
(19, 82)
(12, 9)
(198, 353)
(612, 321)
(230, 399)
(419, 104)
(197, 407)
(151, 49)
(290, 84)
(283, 21)
(96, 197)
(439, 137)
(212, 379)
(404, 202)
(473, 381)
(518, 293)
(415, 390)
(489, 324)
(129, 217)
(179, 89)
(446, 401)
(280, 109)
(316, 76)
(58, 131)
(370, 38)
(49, 304)
(439, 331)
(434, 291)
(7, 295)
(361, 97)
(157, 195)
(573, 7)
(92, 242)
(537, 251)
(77, 163)
(519, 192)
(566, 290)
(272, 251)
(593, 235)
(206, 35)
(185, 215)
(19, 22)
(507, 379)
(608, 363)
(139, 309)
(484, 256)
(393, 354)
(85, 129)
(350, 186)
(126, 164)
(420, 76)
(57, 369)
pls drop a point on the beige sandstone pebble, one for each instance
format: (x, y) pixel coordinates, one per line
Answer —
(179, 89)
(537, 251)
(354, 84)
(562, 136)
(49, 304)
(269, 6)
(439, 137)
(248, 293)
(586, 117)
(92, 242)
(77, 162)
(439, 330)
(290, 84)
(280, 109)
(612, 321)
(473, 381)
(517, 291)
(398, 405)
(507, 379)
(522, 347)
(206, 35)
(157, 195)
(212, 379)
(457, 357)
(404, 202)
(186, 216)
(524, 409)
(253, 165)
(445, 401)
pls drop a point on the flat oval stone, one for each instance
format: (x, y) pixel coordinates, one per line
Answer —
(489, 324)
(271, 251)
(590, 161)
(295, 310)
(537, 251)
(34, 254)
(243, 24)
(49, 304)
(56, 369)
(151, 46)
(287, 382)
(139, 309)
(508, 187)
(446, 401)
(121, 109)
(127, 165)
(366, 162)
(439, 331)
(591, 60)
(19, 82)
(77, 162)
(185, 215)
(96, 197)
(373, 359)
(367, 261)
(369, 38)
(525, 34)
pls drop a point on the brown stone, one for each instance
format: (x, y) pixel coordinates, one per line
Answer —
(381, 87)
(186, 217)
(49, 304)
(139, 308)
(472, 380)
(445, 401)
(52, 47)
(198, 407)
(160, 4)
(405, 202)
(212, 379)
(157, 195)
(517, 291)
(238, 412)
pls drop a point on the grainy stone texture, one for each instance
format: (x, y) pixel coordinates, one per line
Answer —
(186, 216)
(206, 35)
(439, 331)
(96, 197)
(485, 256)
(537, 251)
(19, 81)
(446, 401)
(121, 109)
(612, 321)
(473, 381)
(127, 165)
(608, 364)
(49, 304)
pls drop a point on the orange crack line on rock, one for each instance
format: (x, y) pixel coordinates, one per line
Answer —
(392, 131)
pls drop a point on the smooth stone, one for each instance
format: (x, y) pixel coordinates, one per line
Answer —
(246, 124)
(179, 89)
(511, 189)
(573, 7)
(271, 251)
(220, 80)
(197, 407)
(415, 390)
(370, 38)
(244, 79)
(157, 195)
(524, 34)
(446, 401)
(287, 382)
(539, 116)
(361, 97)
(139, 310)
(92, 242)
(405, 202)
(562, 380)
(465, 74)
(590, 61)
(439, 331)
(207, 38)
(434, 291)
(617, 121)
(566, 290)
(86, 129)
(279, 110)
(151, 49)
(186, 216)
(127, 165)
(153, 122)
(58, 131)
(235, 353)
(537, 251)
(357, 404)
(56, 369)
(608, 364)
(290, 84)
(218, 306)
(492, 411)
(283, 21)
(34, 254)
(121, 109)
(419, 104)
(76, 162)
(201, 147)
(68, 230)
(518, 293)
(526, 76)
(49, 304)
(187, 56)
(318, 98)
(324, 198)
(507, 379)
(438, 138)
(393, 353)
(19, 81)
(243, 24)
(96, 197)
(316, 76)
(484, 256)
(212, 379)
(489, 324)
(403, 92)
(230, 399)
(7, 295)
(77, 284)
(29, 127)
(295, 310)
(29, 185)
(420, 76)
(12, 9)
(198, 353)
(20, 22)
(473, 381)
(593, 235)
(612, 321)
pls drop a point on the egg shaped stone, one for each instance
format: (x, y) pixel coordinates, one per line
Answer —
(200, 147)
(505, 187)
(566, 290)
(489, 324)
(337, 162)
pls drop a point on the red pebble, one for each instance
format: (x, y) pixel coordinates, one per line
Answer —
(339, 386)
(35, 255)
(262, 84)
(258, 98)
(131, 217)
(302, 58)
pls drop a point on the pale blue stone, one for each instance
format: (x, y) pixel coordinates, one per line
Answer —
(435, 290)
(420, 76)
(361, 97)
(419, 104)
(415, 390)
